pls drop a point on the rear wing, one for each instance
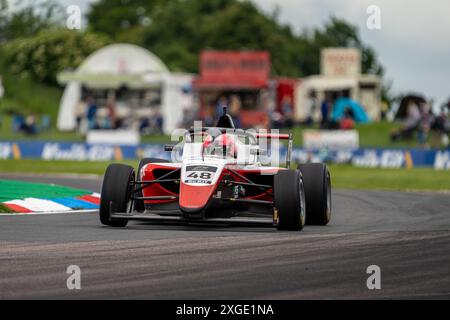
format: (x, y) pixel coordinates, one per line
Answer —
(280, 136)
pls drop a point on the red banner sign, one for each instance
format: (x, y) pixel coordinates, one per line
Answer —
(234, 69)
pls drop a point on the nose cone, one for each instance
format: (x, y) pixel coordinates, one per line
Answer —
(193, 197)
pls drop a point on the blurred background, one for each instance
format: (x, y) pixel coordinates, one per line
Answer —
(123, 74)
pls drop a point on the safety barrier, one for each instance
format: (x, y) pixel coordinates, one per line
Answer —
(367, 157)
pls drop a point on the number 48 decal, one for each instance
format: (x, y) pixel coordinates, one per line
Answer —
(199, 174)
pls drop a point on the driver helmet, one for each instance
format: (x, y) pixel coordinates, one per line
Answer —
(223, 145)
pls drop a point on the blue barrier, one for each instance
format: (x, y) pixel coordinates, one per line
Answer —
(367, 157)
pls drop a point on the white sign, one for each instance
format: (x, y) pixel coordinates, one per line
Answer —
(116, 137)
(199, 174)
(340, 62)
(330, 139)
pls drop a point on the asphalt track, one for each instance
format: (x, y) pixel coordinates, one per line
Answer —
(406, 234)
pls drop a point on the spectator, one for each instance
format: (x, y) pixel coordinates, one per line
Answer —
(235, 108)
(91, 114)
(440, 127)
(287, 109)
(208, 116)
(44, 123)
(17, 122)
(29, 126)
(325, 109)
(347, 122)
(411, 124)
(112, 117)
(311, 107)
(277, 120)
(221, 103)
(424, 123)
(80, 113)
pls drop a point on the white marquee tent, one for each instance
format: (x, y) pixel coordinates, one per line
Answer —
(119, 65)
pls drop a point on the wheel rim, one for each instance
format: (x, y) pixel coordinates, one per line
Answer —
(130, 189)
(328, 209)
(302, 203)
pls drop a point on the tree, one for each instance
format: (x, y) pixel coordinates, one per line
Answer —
(178, 30)
(336, 33)
(122, 20)
(42, 56)
(29, 19)
(184, 28)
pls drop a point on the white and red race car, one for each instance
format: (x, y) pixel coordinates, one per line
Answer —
(219, 179)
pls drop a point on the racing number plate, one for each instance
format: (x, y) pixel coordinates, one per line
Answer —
(199, 174)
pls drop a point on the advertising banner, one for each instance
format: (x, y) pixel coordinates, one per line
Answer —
(330, 139)
(363, 157)
(243, 69)
(340, 62)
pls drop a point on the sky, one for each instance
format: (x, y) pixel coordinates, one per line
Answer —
(413, 43)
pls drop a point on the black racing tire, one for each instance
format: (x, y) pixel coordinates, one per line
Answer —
(317, 181)
(116, 187)
(139, 205)
(289, 197)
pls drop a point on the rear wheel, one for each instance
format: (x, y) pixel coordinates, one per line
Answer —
(139, 204)
(117, 185)
(289, 196)
(318, 193)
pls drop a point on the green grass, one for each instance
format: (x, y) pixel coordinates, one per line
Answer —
(53, 134)
(15, 189)
(343, 176)
(415, 179)
(43, 166)
(6, 133)
(4, 209)
(376, 134)
(27, 96)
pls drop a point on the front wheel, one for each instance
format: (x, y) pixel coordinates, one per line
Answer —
(289, 196)
(117, 185)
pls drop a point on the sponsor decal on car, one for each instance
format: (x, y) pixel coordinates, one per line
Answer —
(201, 174)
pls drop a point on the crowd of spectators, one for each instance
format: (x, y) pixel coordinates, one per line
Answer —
(278, 118)
(110, 115)
(324, 108)
(421, 123)
(212, 112)
(30, 124)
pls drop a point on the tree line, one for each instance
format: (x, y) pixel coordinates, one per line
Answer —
(35, 42)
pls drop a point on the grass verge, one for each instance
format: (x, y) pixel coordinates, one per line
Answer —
(43, 166)
(4, 209)
(415, 179)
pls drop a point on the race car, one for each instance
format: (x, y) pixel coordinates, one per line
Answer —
(218, 179)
